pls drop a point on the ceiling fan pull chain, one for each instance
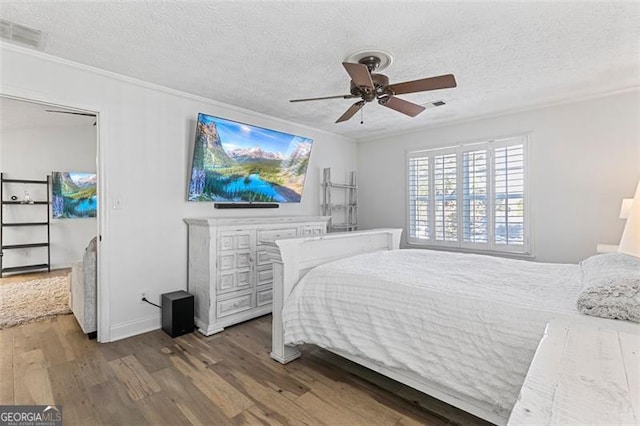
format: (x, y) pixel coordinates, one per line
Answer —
(362, 116)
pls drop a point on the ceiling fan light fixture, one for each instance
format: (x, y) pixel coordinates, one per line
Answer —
(386, 58)
(369, 85)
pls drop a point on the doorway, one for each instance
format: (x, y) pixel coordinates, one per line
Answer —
(48, 230)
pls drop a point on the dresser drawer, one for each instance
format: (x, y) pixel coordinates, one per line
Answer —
(234, 305)
(265, 296)
(265, 275)
(264, 258)
(274, 234)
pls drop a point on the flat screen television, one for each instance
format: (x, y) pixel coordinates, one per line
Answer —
(239, 163)
(74, 195)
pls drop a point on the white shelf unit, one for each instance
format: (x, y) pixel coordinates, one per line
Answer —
(21, 220)
(343, 215)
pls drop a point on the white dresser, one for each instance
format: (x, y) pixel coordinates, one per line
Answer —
(230, 273)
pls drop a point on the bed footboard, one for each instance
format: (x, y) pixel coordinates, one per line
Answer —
(294, 257)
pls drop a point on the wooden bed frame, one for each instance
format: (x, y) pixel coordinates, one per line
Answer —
(294, 257)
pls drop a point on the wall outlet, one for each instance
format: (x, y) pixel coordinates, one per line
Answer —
(144, 294)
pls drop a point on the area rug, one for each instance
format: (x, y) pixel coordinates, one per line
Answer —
(35, 300)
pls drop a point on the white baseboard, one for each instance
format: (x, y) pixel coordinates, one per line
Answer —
(135, 327)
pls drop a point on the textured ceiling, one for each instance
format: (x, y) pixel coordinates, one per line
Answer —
(27, 115)
(257, 55)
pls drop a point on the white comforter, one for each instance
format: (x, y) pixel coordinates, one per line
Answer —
(466, 324)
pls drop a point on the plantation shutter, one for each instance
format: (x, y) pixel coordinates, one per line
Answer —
(509, 201)
(445, 177)
(475, 200)
(471, 196)
(419, 226)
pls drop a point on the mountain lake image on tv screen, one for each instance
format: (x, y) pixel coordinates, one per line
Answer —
(235, 162)
(74, 195)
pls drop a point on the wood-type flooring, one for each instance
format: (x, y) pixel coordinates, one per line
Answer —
(227, 378)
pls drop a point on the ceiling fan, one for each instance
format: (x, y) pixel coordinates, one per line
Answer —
(86, 114)
(369, 86)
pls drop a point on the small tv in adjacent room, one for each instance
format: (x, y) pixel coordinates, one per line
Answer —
(239, 163)
(74, 195)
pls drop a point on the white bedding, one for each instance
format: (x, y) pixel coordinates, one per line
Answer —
(467, 324)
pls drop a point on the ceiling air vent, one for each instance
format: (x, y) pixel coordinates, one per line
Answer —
(434, 104)
(17, 33)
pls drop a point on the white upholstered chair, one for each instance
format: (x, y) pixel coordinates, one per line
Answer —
(83, 290)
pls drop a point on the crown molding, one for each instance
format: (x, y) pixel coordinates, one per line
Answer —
(507, 112)
(212, 102)
(160, 88)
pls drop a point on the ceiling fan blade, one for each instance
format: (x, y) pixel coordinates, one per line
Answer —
(86, 114)
(324, 97)
(351, 111)
(432, 83)
(400, 105)
(359, 74)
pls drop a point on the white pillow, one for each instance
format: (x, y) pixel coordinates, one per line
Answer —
(611, 287)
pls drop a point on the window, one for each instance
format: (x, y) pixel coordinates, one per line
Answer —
(472, 196)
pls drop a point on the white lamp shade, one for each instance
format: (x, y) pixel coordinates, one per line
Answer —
(625, 209)
(630, 242)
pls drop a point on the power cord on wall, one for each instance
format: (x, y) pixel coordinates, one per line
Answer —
(144, 299)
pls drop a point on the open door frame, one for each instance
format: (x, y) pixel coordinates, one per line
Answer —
(102, 290)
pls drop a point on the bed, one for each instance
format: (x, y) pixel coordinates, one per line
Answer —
(390, 310)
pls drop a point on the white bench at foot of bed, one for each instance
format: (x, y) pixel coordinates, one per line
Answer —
(585, 372)
(294, 257)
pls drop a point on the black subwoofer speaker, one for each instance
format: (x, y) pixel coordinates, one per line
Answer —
(177, 313)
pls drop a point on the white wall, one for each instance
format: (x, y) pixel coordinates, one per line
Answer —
(585, 157)
(145, 143)
(33, 154)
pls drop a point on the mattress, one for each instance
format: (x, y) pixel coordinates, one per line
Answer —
(466, 324)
